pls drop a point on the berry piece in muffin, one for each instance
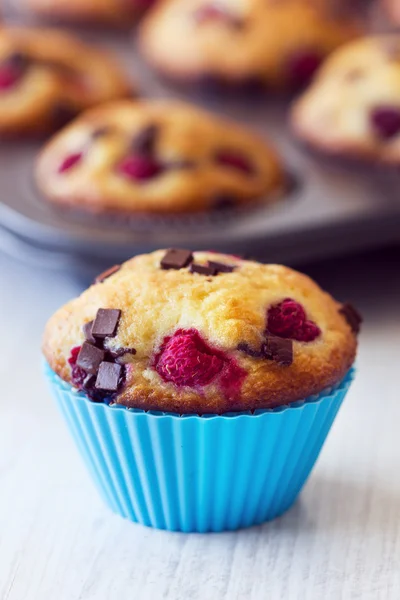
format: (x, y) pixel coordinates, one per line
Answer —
(235, 335)
(253, 44)
(47, 77)
(156, 157)
(353, 106)
(104, 12)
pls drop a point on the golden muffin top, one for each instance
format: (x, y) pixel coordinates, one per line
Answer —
(48, 76)
(156, 156)
(201, 333)
(279, 43)
(353, 106)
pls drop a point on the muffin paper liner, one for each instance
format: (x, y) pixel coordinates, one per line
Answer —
(195, 473)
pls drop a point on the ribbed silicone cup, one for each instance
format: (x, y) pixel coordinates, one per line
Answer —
(199, 473)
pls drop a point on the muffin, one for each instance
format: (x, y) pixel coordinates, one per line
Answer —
(156, 157)
(170, 362)
(363, 120)
(47, 77)
(258, 43)
(104, 12)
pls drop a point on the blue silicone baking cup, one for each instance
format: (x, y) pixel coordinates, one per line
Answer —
(195, 473)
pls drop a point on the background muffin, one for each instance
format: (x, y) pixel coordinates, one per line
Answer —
(353, 107)
(202, 333)
(156, 156)
(277, 44)
(47, 77)
(89, 11)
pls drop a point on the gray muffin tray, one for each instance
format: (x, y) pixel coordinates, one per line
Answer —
(334, 206)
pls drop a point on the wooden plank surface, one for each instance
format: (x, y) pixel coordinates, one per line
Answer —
(341, 540)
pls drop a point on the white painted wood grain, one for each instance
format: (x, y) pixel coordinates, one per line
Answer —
(341, 541)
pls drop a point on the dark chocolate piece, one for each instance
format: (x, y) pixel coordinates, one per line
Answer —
(108, 377)
(121, 352)
(202, 269)
(352, 316)
(244, 347)
(89, 358)
(223, 203)
(18, 61)
(106, 322)
(107, 273)
(87, 332)
(220, 267)
(89, 382)
(176, 258)
(145, 140)
(61, 114)
(278, 349)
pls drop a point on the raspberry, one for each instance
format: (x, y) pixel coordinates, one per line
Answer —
(385, 121)
(289, 320)
(302, 67)
(9, 76)
(235, 161)
(186, 360)
(74, 355)
(69, 162)
(232, 377)
(78, 375)
(139, 168)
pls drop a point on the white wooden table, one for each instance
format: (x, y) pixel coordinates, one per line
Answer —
(341, 540)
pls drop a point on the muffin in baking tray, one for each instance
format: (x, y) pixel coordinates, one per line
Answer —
(105, 12)
(200, 335)
(353, 107)
(47, 77)
(156, 157)
(258, 43)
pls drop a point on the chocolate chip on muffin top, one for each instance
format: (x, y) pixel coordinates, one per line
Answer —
(241, 337)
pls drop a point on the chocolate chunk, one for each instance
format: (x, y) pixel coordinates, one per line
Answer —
(220, 267)
(176, 259)
(352, 316)
(121, 352)
(106, 322)
(278, 349)
(18, 61)
(144, 142)
(105, 274)
(87, 332)
(244, 347)
(61, 114)
(202, 269)
(223, 203)
(89, 358)
(89, 382)
(108, 377)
